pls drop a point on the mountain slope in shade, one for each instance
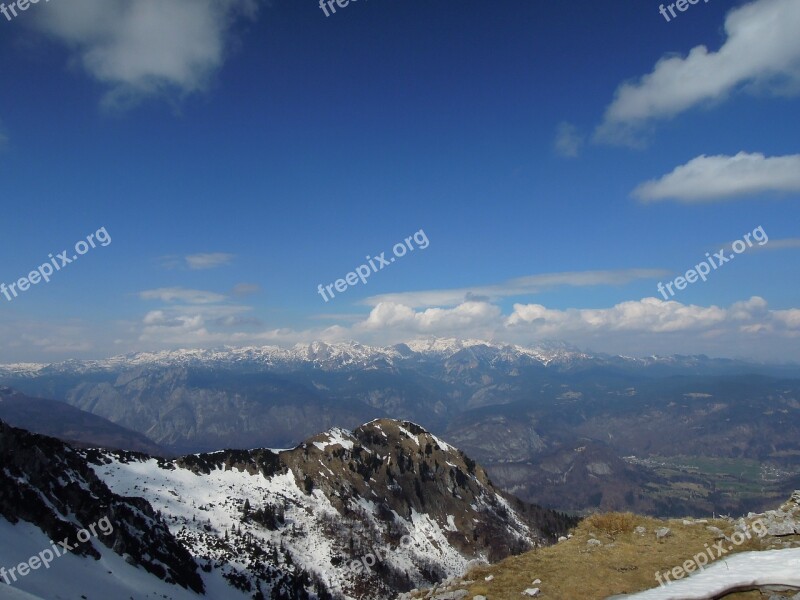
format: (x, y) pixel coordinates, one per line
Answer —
(49, 492)
(69, 424)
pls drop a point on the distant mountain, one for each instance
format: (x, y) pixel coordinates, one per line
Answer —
(354, 356)
(62, 421)
(365, 514)
(511, 407)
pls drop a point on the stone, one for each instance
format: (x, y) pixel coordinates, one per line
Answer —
(718, 533)
(454, 595)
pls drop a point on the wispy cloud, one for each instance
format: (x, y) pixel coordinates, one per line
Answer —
(761, 52)
(784, 244)
(715, 178)
(178, 294)
(568, 141)
(196, 262)
(520, 286)
(210, 260)
(245, 289)
(146, 48)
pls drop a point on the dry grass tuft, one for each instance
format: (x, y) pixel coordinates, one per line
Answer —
(611, 524)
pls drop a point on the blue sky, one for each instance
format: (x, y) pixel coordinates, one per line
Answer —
(562, 159)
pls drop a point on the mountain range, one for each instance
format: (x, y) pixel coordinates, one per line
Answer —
(567, 429)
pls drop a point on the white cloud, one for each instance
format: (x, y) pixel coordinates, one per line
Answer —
(148, 47)
(568, 140)
(209, 260)
(711, 178)
(647, 315)
(640, 327)
(762, 52)
(519, 286)
(178, 294)
(784, 244)
(438, 321)
(635, 328)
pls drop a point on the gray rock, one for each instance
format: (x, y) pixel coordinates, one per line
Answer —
(454, 595)
(718, 533)
(663, 532)
(778, 527)
(594, 542)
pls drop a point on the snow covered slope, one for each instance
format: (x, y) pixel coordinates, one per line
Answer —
(410, 508)
(740, 571)
(363, 515)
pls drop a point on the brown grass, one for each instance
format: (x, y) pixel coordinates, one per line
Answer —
(626, 563)
(612, 524)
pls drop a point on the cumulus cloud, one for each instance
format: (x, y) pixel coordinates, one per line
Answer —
(530, 284)
(761, 52)
(197, 319)
(712, 178)
(148, 47)
(439, 321)
(568, 140)
(647, 315)
(196, 323)
(639, 327)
